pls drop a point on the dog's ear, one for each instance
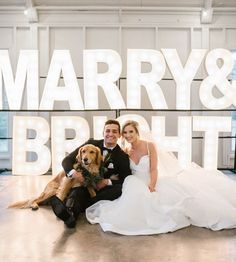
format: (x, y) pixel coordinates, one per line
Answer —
(78, 157)
(99, 156)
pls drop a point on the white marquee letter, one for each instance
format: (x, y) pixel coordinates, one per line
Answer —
(61, 145)
(183, 76)
(93, 79)
(212, 125)
(61, 62)
(181, 143)
(22, 145)
(136, 79)
(27, 66)
(218, 78)
(98, 126)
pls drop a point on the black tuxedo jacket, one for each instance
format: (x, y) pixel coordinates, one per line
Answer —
(117, 171)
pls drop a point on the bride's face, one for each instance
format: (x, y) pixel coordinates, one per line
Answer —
(130, 134)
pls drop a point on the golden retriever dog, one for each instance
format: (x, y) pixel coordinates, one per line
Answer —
(88, 163)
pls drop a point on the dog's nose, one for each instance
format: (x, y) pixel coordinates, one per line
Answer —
(85, 159)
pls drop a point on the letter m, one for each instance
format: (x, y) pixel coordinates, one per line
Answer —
(26, 75)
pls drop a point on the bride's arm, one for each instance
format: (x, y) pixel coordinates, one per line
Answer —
(153, 166)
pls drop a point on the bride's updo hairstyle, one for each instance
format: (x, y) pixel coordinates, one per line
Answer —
(132, 123)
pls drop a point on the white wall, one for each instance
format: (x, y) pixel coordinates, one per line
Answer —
(116, 30)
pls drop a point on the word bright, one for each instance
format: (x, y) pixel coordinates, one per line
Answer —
(210, 125)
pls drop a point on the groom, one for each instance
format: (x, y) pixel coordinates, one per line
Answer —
(108, 188)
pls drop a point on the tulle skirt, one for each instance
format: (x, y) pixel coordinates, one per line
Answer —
(183, 197)
(140, 212)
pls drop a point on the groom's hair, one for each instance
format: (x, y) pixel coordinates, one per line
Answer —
(112, 122)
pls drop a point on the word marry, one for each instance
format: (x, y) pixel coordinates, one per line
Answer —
(27, 77)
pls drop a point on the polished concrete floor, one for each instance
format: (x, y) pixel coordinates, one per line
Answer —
(34, 236)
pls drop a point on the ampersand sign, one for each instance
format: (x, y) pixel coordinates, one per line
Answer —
(217, 77)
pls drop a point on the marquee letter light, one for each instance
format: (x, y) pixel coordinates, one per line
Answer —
(183, 76)
(181, 143)
(98, 126)
(233, 73)
(218, 78)
(61, 63)
(136, 79)
(60, 144)
(93, 79)
(27, 66)
(22, 145)
(211, 125)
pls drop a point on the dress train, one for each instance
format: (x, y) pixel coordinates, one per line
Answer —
(183, 197)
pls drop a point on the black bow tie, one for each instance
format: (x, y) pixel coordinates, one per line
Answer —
(107, 149)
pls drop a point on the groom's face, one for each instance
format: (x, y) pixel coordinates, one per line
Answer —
(111, 135)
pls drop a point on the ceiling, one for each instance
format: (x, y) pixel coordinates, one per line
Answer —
(119, 3)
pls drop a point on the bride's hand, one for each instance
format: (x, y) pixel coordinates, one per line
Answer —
(151, 188)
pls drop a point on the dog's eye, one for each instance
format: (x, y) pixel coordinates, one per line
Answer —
(83, 151)
(92, 152)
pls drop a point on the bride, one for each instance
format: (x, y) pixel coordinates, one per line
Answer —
(161, 197)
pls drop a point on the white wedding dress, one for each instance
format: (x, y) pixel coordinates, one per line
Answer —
(183, 197)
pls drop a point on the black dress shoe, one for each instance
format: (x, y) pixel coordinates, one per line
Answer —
(70, 222)
(61, 211)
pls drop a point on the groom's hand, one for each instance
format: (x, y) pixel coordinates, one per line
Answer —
(78, 177)
(101, 184)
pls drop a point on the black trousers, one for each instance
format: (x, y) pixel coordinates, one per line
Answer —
(79, 198)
